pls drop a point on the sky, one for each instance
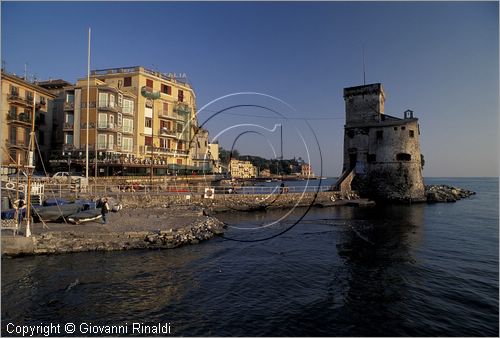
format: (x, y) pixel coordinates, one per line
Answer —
(439, 59)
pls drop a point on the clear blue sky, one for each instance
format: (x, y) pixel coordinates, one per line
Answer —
(438, 59)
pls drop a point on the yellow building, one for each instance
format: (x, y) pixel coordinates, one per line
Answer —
(139, 115)
(18, 96)
(306, 170)
(166, 123)
(242, 169)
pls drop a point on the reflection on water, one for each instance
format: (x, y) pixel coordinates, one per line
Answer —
(387, 270)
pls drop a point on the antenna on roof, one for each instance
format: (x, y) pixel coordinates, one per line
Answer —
(364, 73)
(25, 71)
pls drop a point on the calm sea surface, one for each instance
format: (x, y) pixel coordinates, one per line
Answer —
(395, 270)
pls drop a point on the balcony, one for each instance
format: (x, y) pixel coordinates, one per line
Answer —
(84, 125)
(166, 132)
(69, 105)
(109, 106)
(127, 130)
(166, 116)
(18, 143)
(68, 126)
(15, 98)
(201, 156)
(22, 118)
(165, 151)
(182, 108)
(108, 126)
(127, 111)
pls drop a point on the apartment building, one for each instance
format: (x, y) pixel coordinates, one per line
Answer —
(166, 129)
(111, 133)
(58, 88)
(242, 169)
(21, 102)
(306, 170)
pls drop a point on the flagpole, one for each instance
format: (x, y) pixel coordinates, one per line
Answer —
(88, 107)
(29, 168)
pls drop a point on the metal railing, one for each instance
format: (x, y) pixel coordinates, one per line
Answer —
(67, 189)
(21, 117)
(69, 105)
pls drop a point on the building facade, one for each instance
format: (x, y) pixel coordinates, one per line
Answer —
(242, 169)
(58, 88)
(111, 132)
(381, 152)
(166, 127)
(21, 102)
(306, 170)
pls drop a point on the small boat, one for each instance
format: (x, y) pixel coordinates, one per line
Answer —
(85, 216)
(56, 212)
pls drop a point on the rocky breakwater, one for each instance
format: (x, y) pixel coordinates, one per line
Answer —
(193, 234)
(445, 193)
(90, 239)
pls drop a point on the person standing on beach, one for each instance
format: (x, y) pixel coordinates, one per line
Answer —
(104, 209)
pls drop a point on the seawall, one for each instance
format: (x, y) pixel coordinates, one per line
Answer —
(246, 202)
(74, 240)
(159, 222)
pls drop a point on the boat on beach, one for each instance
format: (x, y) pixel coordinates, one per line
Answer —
(85, 216)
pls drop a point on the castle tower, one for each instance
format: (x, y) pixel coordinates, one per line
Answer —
(381, 152)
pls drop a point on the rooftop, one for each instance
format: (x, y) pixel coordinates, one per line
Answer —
(21, 81)
(139, 69)
(374, 88)
(54, 83)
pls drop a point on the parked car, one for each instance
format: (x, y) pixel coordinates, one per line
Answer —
(64, 176)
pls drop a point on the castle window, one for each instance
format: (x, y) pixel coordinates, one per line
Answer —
(149, 83)
(127, 82)
(403, 157)
(395, 128)
(350, 133)
(371, 158)
(412, 133)
(403, 128)
(380, 134)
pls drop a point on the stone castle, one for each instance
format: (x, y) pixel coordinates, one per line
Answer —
(382, 157)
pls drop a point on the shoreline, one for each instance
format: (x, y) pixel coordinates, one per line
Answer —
(151, 221)
(157, 222)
